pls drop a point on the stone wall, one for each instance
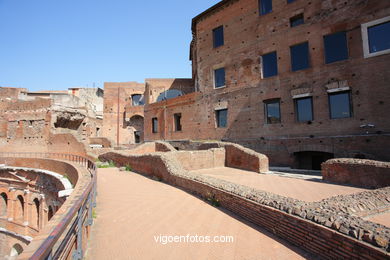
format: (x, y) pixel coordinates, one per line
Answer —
(118, 95)
(196, 160)
(248, 36)
(323, 228)
(244, 158)
(362, 173)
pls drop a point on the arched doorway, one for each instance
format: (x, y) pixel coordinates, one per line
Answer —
(19, 209)
(50, 213)
(35, 213)
(3, 204)
(137, 122)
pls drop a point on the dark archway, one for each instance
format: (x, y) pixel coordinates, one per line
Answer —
(35, 213)
(137, 122)
(50, 213)
(16, 250)
(19, 210)
(311, 160)
(3, 204)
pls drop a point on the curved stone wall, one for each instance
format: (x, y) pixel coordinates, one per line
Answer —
(32, 192)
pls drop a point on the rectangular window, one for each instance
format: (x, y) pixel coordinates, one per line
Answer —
(379, 37)
(272, 111)
(304, 109)
(221, 116)
(299, 56)
(336, 48)
(340, 105)
(265, 6)
(218, 37)
(177, 119)
(296, 20)
(269, 64)
(290, 1)
(376, 37)
(137, 100)
(219, 78)
(154, 125)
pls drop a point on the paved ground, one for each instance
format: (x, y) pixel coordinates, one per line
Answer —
(302, 189)
(383, 219)
(132, 209)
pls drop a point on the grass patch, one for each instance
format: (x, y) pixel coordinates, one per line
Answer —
(110, 164)
(128, 168)
(94, 215)
(213, 201)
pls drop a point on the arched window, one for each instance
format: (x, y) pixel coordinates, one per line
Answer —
(16, 250)
(19, 212)
(172, 93)
(3, 204)
(50, 213)
(137, 100)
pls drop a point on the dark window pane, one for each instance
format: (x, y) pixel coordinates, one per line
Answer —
(218, 37)
(265, 6)
(290, 1)
(340, 106)
(219, 77)
(154, 125)
(379, 37)
(272, 111)
(221, 117)
(296, 20)
(299, 56)
(137, 100)
(336, 48)
(304, 109)
(270, 65)
(177, 118)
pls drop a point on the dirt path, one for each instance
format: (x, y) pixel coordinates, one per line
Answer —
(132, 209)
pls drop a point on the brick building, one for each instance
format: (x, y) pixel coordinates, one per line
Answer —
(300, 81)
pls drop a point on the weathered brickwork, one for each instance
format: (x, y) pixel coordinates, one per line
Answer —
(119, 113)
(331, 228)
(248, 36)
(363, 173)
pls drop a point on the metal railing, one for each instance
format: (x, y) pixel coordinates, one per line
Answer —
(71, 226)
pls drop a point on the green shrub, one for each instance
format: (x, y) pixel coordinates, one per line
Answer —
(128, 168)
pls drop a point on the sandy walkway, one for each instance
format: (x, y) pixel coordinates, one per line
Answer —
(132, 209)
(383, 219)
(305, 190)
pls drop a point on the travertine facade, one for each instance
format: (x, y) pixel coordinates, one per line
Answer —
(353, 85)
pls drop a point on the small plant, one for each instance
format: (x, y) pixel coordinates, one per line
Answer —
(94, 215)
(128, 168)
(109, 164)
(213, 201)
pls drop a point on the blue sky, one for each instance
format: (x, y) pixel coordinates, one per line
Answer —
(56, 44)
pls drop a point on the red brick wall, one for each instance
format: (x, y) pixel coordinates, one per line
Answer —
(246, 159)
(317, 239)
(363, 173)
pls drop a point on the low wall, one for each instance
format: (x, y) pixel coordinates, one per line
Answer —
(362, 173)
(56, 166)
(320, 228)
(196, 160)
(243, 158)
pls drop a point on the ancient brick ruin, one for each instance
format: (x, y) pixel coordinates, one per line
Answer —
(275, 83)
